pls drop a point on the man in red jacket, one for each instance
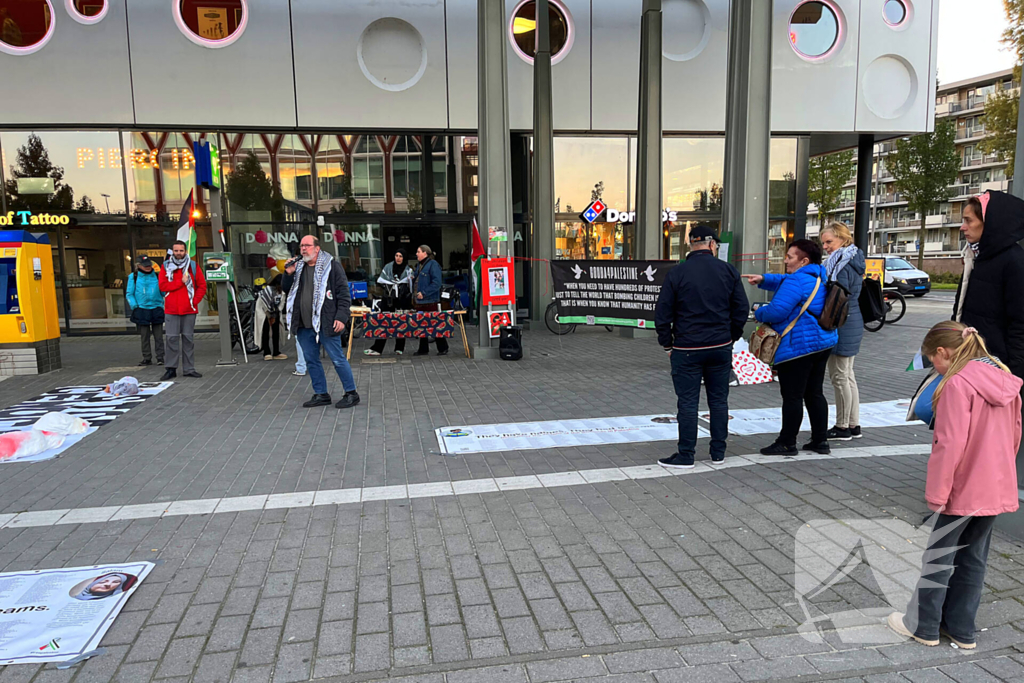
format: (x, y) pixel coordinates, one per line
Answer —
(183, 286)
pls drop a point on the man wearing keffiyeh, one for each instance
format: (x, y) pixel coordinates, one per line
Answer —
(318, 313)
(183, 286)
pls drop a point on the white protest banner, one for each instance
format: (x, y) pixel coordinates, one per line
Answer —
(519, 436)
(769, 420)
(90, 403)
(559, 434)
(55, 615)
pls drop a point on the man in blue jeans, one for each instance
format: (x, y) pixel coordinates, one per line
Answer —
(700, 313)
(318, 314)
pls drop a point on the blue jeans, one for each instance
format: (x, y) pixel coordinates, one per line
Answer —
(311, 353)
(300, 360)
(952, 579)
(688, 368)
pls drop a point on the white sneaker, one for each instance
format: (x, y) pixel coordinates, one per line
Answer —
(268, 357)
(298, 374)
(371, 352)
(895, 622)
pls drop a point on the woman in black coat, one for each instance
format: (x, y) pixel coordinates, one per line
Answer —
(989, 297)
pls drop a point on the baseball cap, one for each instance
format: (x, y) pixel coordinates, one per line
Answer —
(144, 261)
(703, 233)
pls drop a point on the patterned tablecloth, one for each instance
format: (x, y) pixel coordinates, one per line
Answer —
(410, 324)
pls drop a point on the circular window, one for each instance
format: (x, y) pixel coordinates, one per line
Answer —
(86, 11)
(211, 23)
(894, 12)
(25, 25)
(814, 29)
(523, 30)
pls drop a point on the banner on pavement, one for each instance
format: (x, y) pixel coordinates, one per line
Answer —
(608, 292)
(87, 402)
(56, 615)
(520, 436)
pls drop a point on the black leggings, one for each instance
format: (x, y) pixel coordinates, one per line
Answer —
(800, 381)
(275, 329)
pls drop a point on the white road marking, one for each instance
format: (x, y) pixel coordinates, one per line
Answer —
(204, 506)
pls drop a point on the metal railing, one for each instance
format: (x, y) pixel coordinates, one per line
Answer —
(970, 132)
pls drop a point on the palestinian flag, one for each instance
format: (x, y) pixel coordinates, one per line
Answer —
(477, 256)
(187, 226)
(920, 362)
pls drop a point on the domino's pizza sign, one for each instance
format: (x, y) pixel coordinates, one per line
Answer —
(594, 211)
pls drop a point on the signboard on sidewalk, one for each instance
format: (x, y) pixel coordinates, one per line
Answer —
(56, 615)
(608, 292)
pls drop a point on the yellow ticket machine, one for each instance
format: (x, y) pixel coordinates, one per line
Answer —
(29, 328)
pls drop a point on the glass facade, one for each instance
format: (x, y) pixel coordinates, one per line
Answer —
(364, 195)
(123, 192)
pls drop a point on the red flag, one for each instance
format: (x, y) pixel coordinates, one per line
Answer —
(478, 245)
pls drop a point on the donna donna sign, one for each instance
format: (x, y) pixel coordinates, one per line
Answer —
(356, 236)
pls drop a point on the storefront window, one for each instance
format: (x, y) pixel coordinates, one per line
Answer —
(591, 168)
(693, 171)
(781, 200)
(357, 247)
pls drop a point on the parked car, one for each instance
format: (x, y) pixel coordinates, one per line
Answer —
(904, 277)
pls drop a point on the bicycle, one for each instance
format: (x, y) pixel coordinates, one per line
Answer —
(894, 301)
(551, 320)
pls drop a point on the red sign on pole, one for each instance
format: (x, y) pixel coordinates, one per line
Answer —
(499, 287)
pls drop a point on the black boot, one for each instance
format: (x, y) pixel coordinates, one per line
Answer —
(779, 449)
(317, 401)
(171, 373)
(349, 400)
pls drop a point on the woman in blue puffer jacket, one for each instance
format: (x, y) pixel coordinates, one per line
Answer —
(802, 356)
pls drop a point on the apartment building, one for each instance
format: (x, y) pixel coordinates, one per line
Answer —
(894, 228)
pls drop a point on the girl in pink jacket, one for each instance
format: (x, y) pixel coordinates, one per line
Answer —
(972, 477)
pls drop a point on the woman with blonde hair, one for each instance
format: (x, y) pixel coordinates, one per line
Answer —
(845, 266)
(972, 477)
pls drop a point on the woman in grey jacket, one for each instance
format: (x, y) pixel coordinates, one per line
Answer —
(845, 265)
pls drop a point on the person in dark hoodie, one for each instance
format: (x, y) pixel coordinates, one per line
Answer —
(845, 265)
(989, 296)
(397, 280)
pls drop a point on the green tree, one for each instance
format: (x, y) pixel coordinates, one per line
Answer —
(1000, 120)
(248, 187)
(1001, 109)
(923, 168)
(33, 161)
(826, 178)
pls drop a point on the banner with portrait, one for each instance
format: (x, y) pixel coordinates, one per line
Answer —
(57, 615)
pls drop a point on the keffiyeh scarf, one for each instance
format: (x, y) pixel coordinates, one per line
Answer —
(184, 264)
(320, 272)
(839, 258)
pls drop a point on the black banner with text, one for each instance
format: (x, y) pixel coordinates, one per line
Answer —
(608, 292)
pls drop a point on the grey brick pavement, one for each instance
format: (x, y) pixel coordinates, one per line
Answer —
(680, 578)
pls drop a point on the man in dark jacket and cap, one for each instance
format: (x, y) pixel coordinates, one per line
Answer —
(989, 297)
(701, 311)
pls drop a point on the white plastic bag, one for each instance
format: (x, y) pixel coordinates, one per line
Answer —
(14, 445)
(61, 423)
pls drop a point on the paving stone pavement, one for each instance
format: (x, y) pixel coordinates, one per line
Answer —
(671, 579)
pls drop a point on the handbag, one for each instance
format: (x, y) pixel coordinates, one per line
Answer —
(765, 341)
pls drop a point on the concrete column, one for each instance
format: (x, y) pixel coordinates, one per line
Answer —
(427, 174)
(862, 214)
(803, 169)
(748, 134)
(543, 199)
(649, 148)
(495, 154)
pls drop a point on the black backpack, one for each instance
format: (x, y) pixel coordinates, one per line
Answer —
(511, 345)
(871, 302)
